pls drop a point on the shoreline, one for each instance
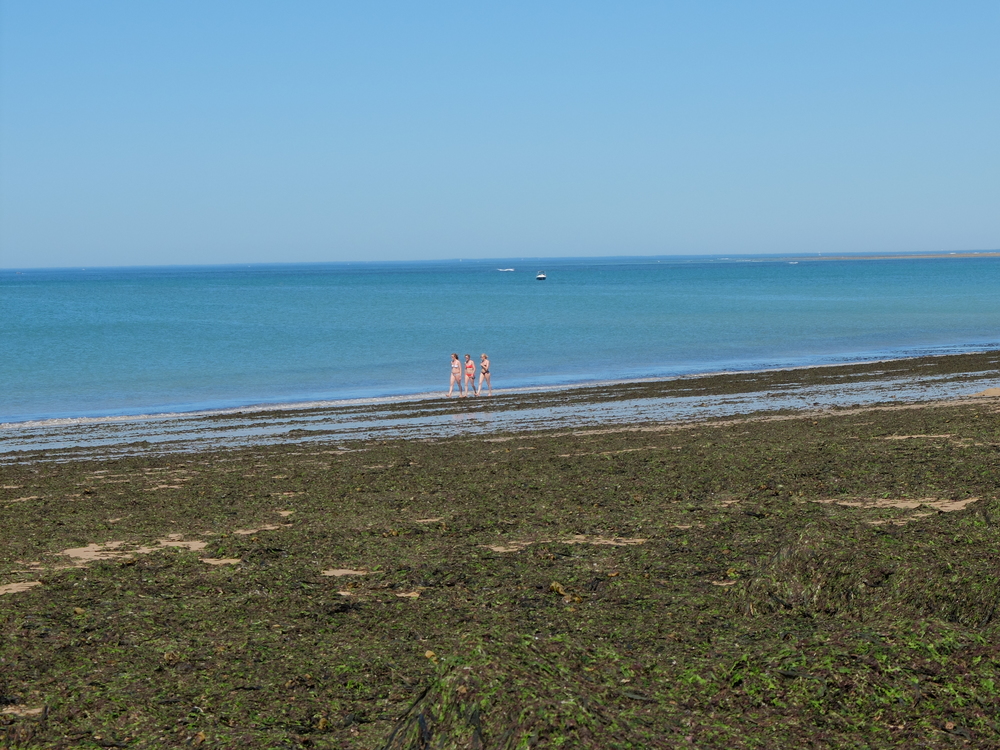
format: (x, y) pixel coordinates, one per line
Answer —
(292, 406)
(432, 415)
(682, 373)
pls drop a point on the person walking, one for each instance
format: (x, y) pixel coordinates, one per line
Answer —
(456, 375)
(484, 373)
(470, 376)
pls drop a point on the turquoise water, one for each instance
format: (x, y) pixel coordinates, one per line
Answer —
(101, 342)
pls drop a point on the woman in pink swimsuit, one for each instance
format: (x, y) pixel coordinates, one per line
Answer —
(470, 376)
(456, 375)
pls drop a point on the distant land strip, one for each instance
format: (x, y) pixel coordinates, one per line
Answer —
(911, 256)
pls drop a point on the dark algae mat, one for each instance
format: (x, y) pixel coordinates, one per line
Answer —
(814, 580)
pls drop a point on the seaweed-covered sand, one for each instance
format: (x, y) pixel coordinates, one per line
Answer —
(825, 577)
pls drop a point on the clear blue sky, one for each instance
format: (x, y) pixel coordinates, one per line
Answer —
(225, 132)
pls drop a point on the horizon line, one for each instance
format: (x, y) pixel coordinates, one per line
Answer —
(844, 255)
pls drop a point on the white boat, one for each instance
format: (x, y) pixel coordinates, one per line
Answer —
(541, 276)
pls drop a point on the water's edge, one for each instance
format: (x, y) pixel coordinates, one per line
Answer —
(429, 416)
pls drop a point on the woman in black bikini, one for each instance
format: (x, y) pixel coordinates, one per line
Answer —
(456, 375)
(484, 372)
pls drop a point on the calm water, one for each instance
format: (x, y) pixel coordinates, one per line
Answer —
(135, 341)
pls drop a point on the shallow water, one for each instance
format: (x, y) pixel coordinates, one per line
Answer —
(103, 342)
(508, 411)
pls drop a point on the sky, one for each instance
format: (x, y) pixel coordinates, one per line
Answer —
(189, 132)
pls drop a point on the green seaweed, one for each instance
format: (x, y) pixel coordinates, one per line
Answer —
(701, 584)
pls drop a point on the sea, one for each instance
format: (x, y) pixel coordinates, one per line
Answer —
(92, 343)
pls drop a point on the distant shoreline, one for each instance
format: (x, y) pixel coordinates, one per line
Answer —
(489, 262)
(909, 256)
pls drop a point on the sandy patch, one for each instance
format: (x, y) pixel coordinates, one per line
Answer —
(118, 550)
(898, 521)
(17, 588)
(901, 503)
(266, 527)
(429, 520)
(285, 513)
(105, 551)
(602, 540)
(19, 711)
(25, 499)
(576, 539)
(911, 437)
(338, 572)
(511, 547)
(609, 453)
(193, 546)
(988, 392)
(408, 594)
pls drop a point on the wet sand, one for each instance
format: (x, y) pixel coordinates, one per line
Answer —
(907, 381)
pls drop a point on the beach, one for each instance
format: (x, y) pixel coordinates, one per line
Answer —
(719, 291)
(583, 570)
